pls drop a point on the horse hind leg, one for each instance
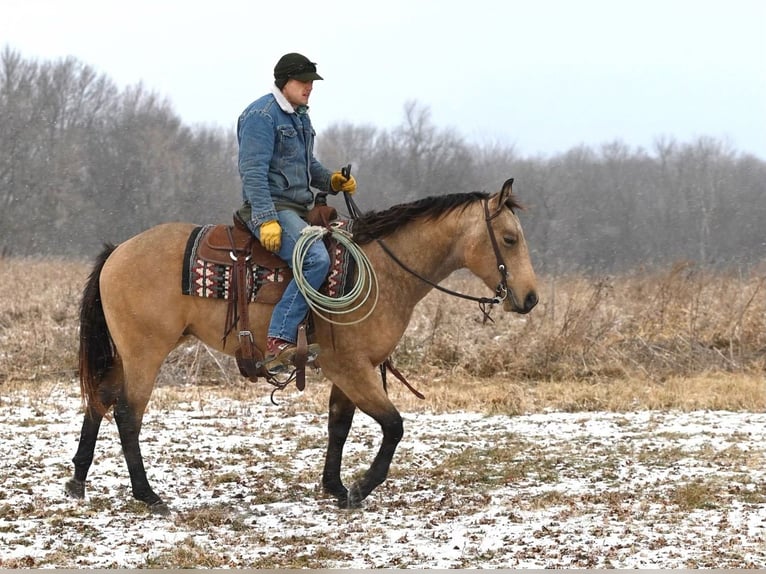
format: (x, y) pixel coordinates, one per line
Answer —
(91, 424)
(83, 458)
(128, 414)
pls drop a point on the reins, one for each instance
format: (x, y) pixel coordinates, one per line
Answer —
(501, 291)
(485, 303)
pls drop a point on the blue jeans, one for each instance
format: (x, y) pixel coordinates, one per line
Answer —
(292, 307)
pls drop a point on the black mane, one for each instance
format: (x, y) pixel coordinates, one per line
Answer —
(378, 224)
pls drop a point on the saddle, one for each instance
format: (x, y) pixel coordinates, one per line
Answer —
(236, 246)
(221, 243)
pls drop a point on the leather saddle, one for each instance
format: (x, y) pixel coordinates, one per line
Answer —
(235, 245)
(222, 243)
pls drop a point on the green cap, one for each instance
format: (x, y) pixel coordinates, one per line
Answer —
(294, 66)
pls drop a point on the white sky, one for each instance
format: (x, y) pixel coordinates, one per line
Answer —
(543, 75)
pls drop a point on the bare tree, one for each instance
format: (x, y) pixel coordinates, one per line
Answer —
(82, 162)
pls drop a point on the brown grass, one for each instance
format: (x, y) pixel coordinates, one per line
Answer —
(683, 338)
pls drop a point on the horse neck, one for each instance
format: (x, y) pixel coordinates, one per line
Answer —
(430, 248)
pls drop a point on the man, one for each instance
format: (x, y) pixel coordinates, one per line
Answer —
(278, 167)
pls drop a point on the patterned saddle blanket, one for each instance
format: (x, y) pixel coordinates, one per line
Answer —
(209, 264)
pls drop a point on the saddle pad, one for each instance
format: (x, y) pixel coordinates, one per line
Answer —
(342, 265)
(209, 279)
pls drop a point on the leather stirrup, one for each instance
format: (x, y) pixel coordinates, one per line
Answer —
(300, 358)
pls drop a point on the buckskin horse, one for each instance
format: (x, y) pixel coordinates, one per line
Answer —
(127, 332)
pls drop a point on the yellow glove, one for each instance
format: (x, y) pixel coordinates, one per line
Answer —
(271, 235)
(339, 182)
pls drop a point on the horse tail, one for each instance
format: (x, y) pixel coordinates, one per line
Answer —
(97, 352)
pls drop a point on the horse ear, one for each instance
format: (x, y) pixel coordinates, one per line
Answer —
(505, 192)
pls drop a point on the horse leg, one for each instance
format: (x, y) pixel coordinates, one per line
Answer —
(129, 426)
(393, 429)
(338, 425)
(128, 414)
(83, 458)
(91, 423)
(368, 395)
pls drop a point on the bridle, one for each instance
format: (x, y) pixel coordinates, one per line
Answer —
(485, 303)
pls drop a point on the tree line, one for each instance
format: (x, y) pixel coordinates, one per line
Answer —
(83, 162)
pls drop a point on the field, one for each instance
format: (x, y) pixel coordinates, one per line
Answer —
(620, 424)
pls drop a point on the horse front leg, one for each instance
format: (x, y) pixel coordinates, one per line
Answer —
(338, 425)
(365, 391)
(128, 419)
(393, 429)
(83, 458)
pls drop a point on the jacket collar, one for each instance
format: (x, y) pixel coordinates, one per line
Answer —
(286, 106)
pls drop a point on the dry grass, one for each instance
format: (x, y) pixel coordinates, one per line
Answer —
(244, 475)
(684, 338)
(644, 489)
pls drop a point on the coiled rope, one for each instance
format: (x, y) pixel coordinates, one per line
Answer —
(366, 281)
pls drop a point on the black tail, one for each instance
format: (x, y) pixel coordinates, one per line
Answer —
(97, 351)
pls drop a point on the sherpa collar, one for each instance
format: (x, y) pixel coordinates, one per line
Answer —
(286, 106)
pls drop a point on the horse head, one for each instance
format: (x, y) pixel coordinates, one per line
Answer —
(499, 255)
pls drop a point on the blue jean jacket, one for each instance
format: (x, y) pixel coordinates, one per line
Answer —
(276, 159)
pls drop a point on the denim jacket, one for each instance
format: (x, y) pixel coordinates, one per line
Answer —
(276, 159)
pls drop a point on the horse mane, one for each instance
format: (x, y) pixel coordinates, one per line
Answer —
(378, 224)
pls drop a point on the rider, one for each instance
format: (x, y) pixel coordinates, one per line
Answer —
(277, 166)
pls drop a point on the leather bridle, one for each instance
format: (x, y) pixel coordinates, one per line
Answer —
(485, 303)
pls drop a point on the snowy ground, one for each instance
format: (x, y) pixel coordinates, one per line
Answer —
(595, 490)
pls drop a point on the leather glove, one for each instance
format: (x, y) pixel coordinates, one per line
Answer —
(339, 182)
(271, 235)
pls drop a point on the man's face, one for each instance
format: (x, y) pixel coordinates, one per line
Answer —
(297, 92)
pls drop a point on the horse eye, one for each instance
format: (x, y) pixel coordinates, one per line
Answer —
(509, 240)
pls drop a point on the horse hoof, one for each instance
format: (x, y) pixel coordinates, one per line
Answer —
(75, 488)
(159, 508)
(349, 504)
(353, 500)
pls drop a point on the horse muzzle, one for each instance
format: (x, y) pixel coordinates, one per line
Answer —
(512, 302)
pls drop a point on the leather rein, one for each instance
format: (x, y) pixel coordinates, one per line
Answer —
(485, 303)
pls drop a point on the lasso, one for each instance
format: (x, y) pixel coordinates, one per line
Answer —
(344, 304)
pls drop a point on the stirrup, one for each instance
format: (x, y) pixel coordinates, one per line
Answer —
(280, 364)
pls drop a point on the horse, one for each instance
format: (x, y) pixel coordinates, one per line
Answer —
(127, 330)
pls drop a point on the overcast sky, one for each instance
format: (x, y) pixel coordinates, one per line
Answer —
(543, 75)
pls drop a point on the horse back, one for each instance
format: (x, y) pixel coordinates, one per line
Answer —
(155, 293)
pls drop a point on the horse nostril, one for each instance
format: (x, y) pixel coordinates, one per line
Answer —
(530, 301)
